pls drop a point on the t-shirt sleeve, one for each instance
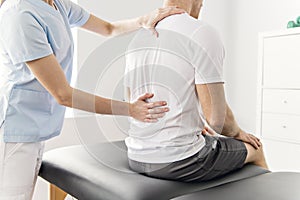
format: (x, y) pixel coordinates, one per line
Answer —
(208, 56)
(77, 15)
(25, 39)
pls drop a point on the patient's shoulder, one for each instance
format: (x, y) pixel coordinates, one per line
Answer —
(208, 38)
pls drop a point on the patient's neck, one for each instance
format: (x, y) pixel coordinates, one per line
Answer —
(180, 4)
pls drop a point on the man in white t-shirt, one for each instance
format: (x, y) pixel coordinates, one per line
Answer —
(184, 67)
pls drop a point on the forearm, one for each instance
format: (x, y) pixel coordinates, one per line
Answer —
(91, 103)
(224, 122)
(99, 26)
(126, 26)
(230, 128)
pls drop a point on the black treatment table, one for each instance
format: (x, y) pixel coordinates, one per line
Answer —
(101, 172)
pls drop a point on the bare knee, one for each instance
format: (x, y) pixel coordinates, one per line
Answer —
(255, 156)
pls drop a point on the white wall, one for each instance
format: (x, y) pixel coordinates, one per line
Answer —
(240, 26)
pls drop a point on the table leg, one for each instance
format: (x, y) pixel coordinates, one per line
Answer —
(57, 193)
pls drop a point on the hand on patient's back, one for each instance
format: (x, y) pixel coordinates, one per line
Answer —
(249, 138)
(145, 111)
(149, 21)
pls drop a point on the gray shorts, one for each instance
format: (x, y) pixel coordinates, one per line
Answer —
(218, 157)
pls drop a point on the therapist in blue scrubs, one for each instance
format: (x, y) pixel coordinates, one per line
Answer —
(36, 54)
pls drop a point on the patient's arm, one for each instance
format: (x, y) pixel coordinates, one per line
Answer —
(217, 113)
(219, 116)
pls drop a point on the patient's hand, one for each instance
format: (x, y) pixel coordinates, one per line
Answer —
(207, 130)
(148, 112)
(249, 138)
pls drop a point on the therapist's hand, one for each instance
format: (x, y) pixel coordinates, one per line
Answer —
(150, 20)
(148, 112)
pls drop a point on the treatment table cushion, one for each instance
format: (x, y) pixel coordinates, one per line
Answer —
(102, 172)
(270, 186)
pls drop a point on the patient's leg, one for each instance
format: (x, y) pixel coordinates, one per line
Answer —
(256, 156)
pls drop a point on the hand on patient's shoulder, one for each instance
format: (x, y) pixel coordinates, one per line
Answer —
(150, 20)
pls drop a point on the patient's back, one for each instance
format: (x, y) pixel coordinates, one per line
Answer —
(187, 52)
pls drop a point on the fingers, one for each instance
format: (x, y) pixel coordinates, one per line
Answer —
(154, 32)
(168, 11)
(171, 10)
(155, 116)
(156, 104)
(250, 139)
(146, 96)
(204, 132)
(163, 13)
(209, 131)
(254, 141)
(150, 120)
(155, 111)
(148, 112)
(158, 110)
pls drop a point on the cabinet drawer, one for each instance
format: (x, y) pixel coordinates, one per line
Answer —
(281, 101)
(281, 65)
(282, 156)
(281, 127)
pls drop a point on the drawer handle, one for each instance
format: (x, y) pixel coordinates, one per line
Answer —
(284, 126)
(285, 101)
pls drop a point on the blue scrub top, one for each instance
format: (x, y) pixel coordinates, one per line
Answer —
(29, 30)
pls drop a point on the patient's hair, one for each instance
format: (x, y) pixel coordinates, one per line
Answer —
(180, 1)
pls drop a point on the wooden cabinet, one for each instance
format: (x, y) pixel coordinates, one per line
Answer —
(278, 106)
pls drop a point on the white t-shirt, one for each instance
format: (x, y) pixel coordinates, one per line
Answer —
(187, 52)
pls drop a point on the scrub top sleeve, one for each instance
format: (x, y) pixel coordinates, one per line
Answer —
(25, 39)
(77, 16)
